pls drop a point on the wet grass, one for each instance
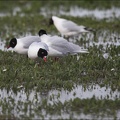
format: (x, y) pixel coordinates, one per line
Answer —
(29, 109)
(18, 26)
(35, 5)
(90, 69)
(62, 74)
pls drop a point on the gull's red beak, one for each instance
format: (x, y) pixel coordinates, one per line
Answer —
(8, 47)
(45, 58)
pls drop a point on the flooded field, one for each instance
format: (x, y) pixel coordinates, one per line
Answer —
(22, 103)
(80, 12)
(86, 86)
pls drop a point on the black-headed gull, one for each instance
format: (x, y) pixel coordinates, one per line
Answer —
(38, 50)
(21, 45)
(52, 46)
(68, 28)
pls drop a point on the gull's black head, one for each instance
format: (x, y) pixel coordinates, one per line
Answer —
(42, 53)
(51, 21)
(42, 32)
(13, 43)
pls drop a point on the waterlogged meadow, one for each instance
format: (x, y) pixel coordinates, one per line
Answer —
(85, 86)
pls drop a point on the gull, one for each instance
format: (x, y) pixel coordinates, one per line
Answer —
(52, 46)
(68, 28)
(21, 45)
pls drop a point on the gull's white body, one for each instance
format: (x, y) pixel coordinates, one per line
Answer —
(55, 46)
(24, 43)
(33, 49)
(67, 27)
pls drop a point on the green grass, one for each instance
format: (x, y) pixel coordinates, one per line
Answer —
(35, 5)
(59, 74)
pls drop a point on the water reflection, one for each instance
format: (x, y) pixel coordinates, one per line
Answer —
(81, 12)
(3, 46)
(25, 103)
(75, 11)
(80, 92)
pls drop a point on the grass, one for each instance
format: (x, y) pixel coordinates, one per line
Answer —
(35, 5)
(59, 74)
(90, 69)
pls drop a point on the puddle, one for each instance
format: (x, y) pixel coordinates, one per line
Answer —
(80, 116)
(81, 12)
(104, 38)
(4, 14)
(20, 98)
(3, 46)
(80, 92)
(16, 10)
(75, 11)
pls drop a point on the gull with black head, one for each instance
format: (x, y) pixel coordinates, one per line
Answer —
(68, 28)
(21, 45)
(53, 46)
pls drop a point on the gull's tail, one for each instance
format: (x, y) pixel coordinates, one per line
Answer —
(89, 29)
(84, 29)
(80, 51)
(74, 48)
(83, 51)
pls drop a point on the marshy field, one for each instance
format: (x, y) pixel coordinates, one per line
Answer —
(84, 86)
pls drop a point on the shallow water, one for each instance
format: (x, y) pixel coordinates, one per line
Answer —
(2, 45)
(81, 12)
(64, 95)
(80, 92)
(21, 97)
(75, 11)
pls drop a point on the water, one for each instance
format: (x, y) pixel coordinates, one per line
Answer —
(81, 12)
(2, 45)
(75, 11)
(79, 91)
(19, 98)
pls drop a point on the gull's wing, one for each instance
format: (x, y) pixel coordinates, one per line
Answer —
(70, 26)
(27, 41)
(62, 45)
(59, 44)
